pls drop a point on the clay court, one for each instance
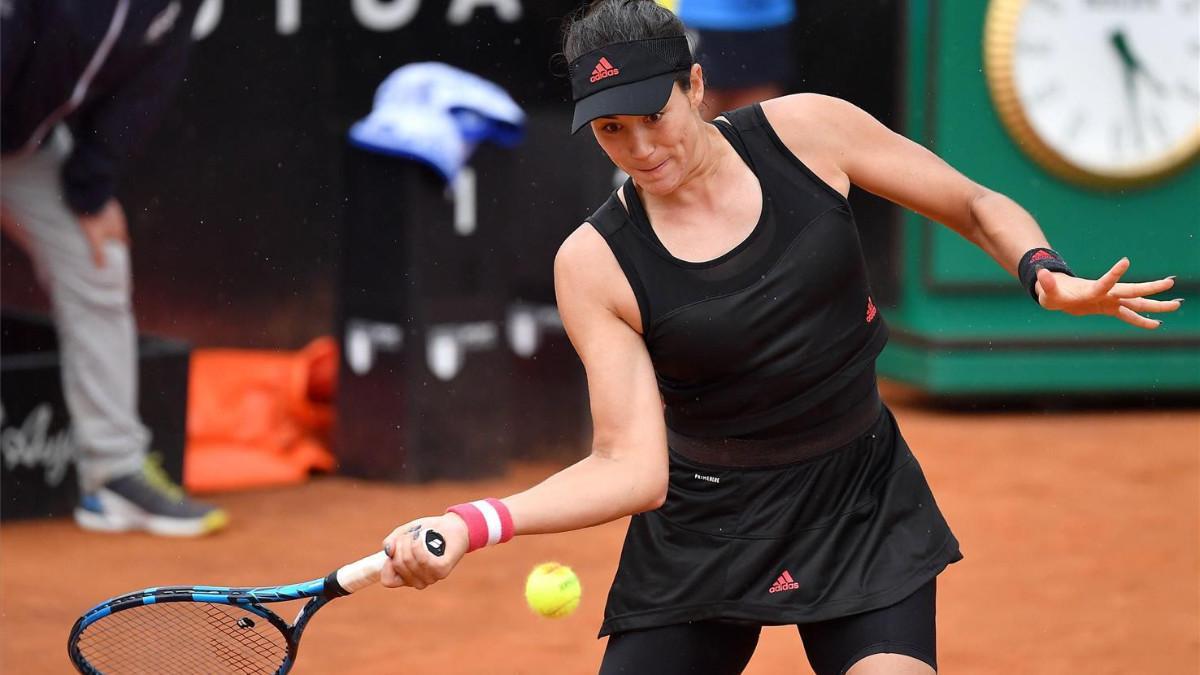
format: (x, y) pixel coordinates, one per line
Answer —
(1081, 531)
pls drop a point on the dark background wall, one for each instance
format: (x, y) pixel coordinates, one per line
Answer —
(236, 203)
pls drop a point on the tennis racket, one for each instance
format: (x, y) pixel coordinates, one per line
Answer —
(211, 629)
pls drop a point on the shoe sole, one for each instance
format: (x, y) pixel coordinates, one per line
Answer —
(120, 516)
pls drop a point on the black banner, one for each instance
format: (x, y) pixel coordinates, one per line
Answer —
(37, 448)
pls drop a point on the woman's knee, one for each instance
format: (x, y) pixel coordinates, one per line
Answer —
(885, 663)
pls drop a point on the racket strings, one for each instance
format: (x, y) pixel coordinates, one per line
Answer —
(184, 638)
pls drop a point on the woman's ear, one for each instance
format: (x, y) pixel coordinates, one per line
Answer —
(696, 93)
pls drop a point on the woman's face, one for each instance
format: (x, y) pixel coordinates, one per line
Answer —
(657, 149)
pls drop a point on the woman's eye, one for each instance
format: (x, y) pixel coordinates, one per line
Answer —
(654, 117)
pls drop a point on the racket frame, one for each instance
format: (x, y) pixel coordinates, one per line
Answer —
(343, 581)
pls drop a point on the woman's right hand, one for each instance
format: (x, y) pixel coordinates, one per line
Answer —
(412, 563)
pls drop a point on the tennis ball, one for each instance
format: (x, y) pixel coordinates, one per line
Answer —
(552, 590)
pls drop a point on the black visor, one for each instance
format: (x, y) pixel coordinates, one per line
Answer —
(626, 78)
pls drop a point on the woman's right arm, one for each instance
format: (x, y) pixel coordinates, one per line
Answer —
(626, 471)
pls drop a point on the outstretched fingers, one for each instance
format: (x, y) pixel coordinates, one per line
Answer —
(1106, 295)
(1135, 290)
(1134, 319)
(1148, 305)
(1110, 278)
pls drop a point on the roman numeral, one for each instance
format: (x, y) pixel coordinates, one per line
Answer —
(1156, 123)
(1046, 93)
(1051, 5)
(1034, 47)
(1078, 120)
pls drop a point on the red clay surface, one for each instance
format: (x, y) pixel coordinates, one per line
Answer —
(1081, 532)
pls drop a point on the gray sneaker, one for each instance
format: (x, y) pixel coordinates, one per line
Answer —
(147, 500)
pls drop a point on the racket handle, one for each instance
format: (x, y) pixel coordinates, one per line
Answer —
(361, 573)
(365, 572)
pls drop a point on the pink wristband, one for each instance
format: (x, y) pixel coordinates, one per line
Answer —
(488, 522)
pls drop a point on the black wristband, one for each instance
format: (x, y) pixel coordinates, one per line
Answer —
(1036, 259)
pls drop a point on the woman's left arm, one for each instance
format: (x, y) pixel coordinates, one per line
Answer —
(852, 142)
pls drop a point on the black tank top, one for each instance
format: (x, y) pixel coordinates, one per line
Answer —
(773, 339)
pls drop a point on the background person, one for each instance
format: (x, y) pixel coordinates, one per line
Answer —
(744, 46)
(84, 82)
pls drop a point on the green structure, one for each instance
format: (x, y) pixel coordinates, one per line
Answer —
(962, 325)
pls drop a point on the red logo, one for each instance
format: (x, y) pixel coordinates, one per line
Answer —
(871, 311)
(785, 582)
(1040, 255)
(603, 69)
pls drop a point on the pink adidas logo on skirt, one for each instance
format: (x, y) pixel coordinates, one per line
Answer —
(784, 583)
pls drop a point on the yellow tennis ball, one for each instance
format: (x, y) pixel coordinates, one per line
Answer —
(552, 590)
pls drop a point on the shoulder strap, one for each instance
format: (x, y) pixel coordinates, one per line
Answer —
(761, 140)
(610, 217)
(731, 125)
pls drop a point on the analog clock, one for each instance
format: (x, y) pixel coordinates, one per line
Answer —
(1100, 92)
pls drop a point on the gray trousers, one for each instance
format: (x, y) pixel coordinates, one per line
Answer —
(92, 312)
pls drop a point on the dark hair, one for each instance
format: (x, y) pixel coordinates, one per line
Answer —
(604, 22)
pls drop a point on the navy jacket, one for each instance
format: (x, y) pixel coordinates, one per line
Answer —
(106, 68)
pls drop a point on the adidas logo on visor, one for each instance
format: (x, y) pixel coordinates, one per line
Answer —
(602, 70)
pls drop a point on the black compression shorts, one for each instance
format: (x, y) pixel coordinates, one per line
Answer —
(832, 647)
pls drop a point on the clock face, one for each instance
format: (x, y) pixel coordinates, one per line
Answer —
(1100, 91)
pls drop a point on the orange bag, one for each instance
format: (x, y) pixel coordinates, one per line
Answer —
(259, 418)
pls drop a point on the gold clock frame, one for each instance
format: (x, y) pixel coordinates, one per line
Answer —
(999, 36)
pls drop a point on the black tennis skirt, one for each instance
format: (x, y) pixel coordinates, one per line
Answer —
(850, 530)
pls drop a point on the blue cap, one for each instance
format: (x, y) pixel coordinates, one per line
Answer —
(437, 114)
(414, 132)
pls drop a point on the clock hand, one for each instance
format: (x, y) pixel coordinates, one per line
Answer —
(1155, 83)
(1131, 63)
(1130, 69)
(1118, 41)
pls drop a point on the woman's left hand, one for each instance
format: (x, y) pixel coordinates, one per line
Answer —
(1105, 295)
(412, 564)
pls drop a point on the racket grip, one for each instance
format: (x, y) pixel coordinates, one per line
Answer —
(360, 573)
(365, 572)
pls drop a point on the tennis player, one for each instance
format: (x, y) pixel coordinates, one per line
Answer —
(720, 304)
